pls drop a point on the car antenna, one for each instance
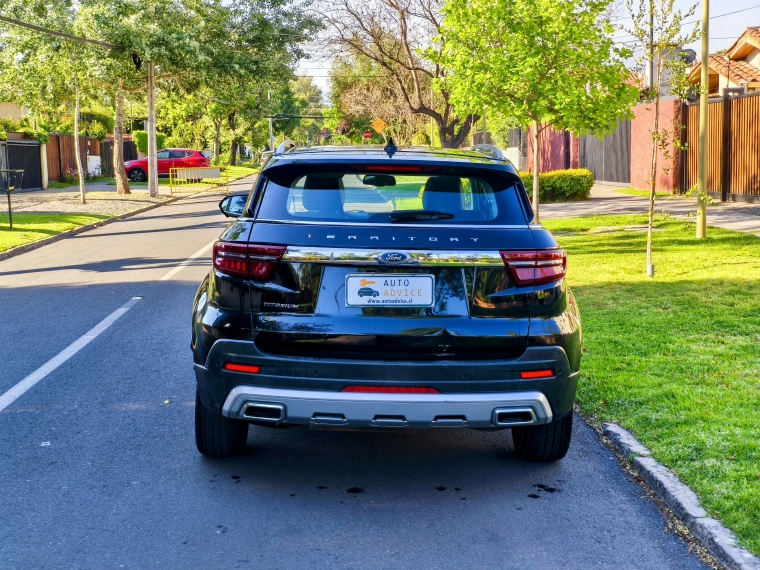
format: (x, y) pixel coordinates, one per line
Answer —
(390, 149)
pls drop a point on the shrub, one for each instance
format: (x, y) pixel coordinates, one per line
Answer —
(93, 129)
(8, 125)
(561, 185)
(71, 175)
(420, 139)
(141, 140)
(94, 116)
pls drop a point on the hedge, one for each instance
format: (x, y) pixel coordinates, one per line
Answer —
(140, 139)
(561, 185)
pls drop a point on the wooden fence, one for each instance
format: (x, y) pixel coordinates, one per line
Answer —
(733, 148)
(106, 155)
(60, 153)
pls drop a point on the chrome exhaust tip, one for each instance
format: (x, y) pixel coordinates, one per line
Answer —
(508, 417)
(263, 412)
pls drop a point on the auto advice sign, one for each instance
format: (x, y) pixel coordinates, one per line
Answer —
(389, 289)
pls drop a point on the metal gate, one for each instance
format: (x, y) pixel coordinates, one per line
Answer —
(609, 158)
(25, 155)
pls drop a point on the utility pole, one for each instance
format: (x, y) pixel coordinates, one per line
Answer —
(485, 126)
(651, 46)
(702, 160)
(152, 151)
(271, 136)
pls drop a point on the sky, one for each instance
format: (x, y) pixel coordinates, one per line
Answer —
(723, 30)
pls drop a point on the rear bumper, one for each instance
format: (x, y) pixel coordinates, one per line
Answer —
(305, 386)
(319, 408)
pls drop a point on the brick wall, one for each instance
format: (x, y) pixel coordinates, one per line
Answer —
(641, 146)
(551, 150)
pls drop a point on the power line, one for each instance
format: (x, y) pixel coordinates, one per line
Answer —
(694, 21)
(623, 40)
(61, 34)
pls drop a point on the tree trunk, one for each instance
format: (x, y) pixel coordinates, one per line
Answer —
(536, 167)
(449, 136)
(217, 138)
(80, 171)
(119, 173)
(234, 144)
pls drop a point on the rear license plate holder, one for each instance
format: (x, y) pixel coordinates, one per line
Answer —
(390, 290)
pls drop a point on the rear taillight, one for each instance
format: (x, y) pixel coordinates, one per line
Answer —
(535, 267)
(246, 261)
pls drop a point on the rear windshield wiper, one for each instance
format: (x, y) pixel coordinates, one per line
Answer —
(420, 216)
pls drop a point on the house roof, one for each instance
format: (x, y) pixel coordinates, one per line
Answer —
(737, 71)
(745, 43)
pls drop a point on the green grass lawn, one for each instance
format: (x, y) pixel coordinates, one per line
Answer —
(641, 193)
(33, 227)
(675, 359)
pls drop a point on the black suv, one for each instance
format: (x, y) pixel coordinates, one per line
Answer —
(386, 288)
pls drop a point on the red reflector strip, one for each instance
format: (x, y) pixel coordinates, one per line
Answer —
(532, 374)
(391, 389)
(247, 368)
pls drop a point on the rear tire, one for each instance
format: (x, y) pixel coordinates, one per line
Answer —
(137, 175)
(548, 442)
(216, 435)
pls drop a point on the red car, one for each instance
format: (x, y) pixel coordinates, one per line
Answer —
(137, 170)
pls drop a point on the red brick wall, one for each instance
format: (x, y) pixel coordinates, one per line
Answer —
(551, 150)
(641, 146)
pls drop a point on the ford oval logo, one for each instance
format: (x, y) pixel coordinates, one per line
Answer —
(393, 257)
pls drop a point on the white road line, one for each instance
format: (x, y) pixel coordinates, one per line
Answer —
(19, 389)
(187, 262)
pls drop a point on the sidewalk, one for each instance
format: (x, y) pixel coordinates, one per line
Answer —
(737, 216)
(238, 185)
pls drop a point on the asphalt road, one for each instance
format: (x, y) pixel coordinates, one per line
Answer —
(97, 471)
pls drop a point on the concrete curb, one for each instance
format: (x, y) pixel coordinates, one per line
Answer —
(716, 538)
(68, 233)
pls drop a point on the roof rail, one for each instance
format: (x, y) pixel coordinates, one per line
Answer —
(285, 145)
(490, 150)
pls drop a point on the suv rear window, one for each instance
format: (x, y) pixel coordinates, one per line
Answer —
(379, 198)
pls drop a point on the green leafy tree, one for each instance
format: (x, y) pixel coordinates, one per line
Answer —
(541, 62)
(396, 36)
(658, 31)
(41, 71)
(173, 36)
(255, 46)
